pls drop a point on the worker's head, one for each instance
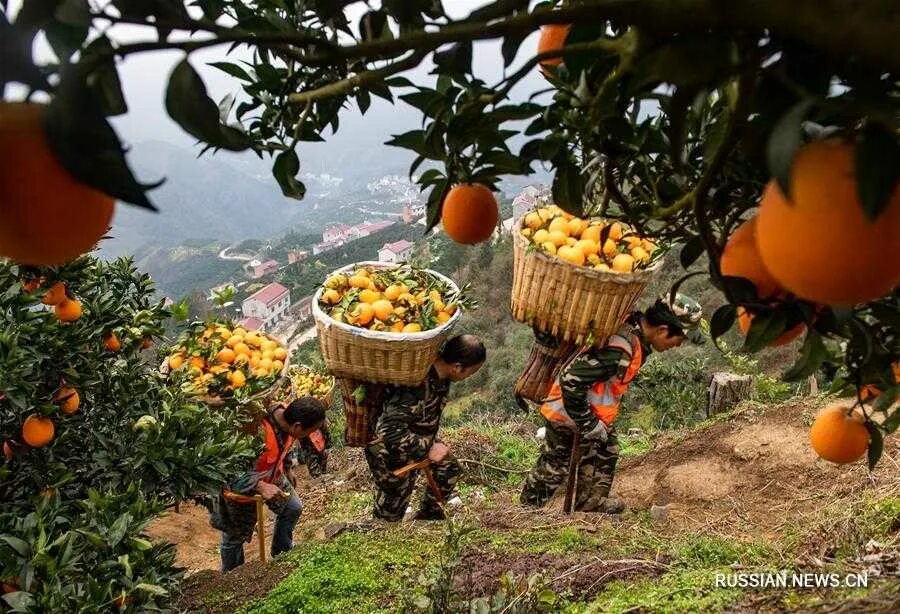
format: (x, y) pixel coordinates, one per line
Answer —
(668, 323)
(462, 356)
(304, 415)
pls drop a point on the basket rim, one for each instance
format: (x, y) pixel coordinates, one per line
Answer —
(327, 321)
(604, 276)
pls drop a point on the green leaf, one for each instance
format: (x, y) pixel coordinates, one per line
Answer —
(285, 170)
(692, 59)
(74, 13)
(691, 251)
(373, 25)
(363, 100)
(738, 289)
(511, 43)
(765, 328)
(783, 143)
(435, 203)
(104, 79)
(722, 321)
(568, 186)
(234, 70)
(876, 444)
(877, 168)
(455, 60)
(153, 589)
(414, 140)
(188, 103)
(20, 546)
(812, 355)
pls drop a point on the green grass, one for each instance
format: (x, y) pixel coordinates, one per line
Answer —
(353, 573)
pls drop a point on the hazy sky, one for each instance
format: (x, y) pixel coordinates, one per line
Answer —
(144, 78)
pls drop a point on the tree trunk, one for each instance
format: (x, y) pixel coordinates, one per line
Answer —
(725, 391)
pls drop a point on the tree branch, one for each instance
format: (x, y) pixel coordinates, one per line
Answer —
(361, 79)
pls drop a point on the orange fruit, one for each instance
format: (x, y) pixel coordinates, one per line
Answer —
(331, 297)
(572, 255)
(393, 292)
(838, 437)
(362, 314)
(68, 311)
(55, 294)
(819, 244)
(269, 344)
(623, 263)
(226, 355)
(268, 354)
(469, 213)
(741, 258)
(111, 343)
(549, 247)
(397, 327)
(359, 281)
(412, 327)
(602, 266)
(383, 309)
(49, 217)
(577, 226)
(38, 431)
(369, 296)
(640, 254)
(277, 366)
(616, 231)
(68, 400)
(197, 362)
(560, 224)
(557, 237)
(553, 38)
(541, 236)
(649, 246)
(237, 379)
(632, 241)
(745, 319)
(239, 331)
(265, 364)
(533, 221)
(280, 353)
(443, 317)
(234, 340)
(241, 349)
(610, 248)
(592, 233)
(175, 361)
(252, 340)
(588, 247)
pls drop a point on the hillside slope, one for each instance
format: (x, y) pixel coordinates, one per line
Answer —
(744, 492)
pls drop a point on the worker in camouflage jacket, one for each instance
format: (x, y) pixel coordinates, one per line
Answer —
(586, 397)
(407, 432)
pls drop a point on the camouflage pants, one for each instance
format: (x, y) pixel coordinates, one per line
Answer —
(316, 462)
(392, 493)
(595, 470)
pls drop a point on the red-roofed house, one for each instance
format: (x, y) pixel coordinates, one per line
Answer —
(268, 305)
(399, 251)
(250, 323)
(338, 232)
(263, 268)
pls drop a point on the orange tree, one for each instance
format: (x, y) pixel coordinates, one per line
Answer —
(672, 115)
(94, 444)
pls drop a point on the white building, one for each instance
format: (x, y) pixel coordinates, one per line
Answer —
(267, 305)
(395, 252)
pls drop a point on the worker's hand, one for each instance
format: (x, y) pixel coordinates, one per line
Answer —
(438, 452)
(597, 433)
(268, 491)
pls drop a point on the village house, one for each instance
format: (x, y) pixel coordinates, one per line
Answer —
(268, 305)
(250, 323)
(296, 255)
(336, 233)
(399, 251)
(259, 269)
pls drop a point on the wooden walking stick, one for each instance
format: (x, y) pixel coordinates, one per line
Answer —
(261, 526)
(572, 478)
(425, 466)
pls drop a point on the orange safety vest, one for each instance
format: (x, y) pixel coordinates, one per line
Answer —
(606, 396)
(271, 461)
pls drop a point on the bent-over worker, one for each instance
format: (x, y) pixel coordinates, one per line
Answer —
(235, 511)
(407, 429)
(586, 397)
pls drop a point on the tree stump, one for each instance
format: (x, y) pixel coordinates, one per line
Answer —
(725, 391)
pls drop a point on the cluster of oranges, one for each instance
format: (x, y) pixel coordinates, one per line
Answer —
(66, 307)
(39, 430)
(605, 246)
(306, 382)
(399, 300)
(221, 360)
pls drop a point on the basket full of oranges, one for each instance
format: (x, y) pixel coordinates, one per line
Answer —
(384, 323)
(220, 363)
(576, 278)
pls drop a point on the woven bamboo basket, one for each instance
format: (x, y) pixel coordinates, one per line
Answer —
(286, 390)
(543, 367)
(572, 303)
(362, 406)
(379, 357)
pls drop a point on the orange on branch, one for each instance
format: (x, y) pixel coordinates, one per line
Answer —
(819, 244)
(38, 431)
(111, 343)
(741, 258)
(553, 38)
(68, 400)
(68, 311)
(837, 436)
(469, 214)
(55, 294)
(49, 217)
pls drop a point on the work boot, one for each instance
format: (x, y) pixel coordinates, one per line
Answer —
(612, 505)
